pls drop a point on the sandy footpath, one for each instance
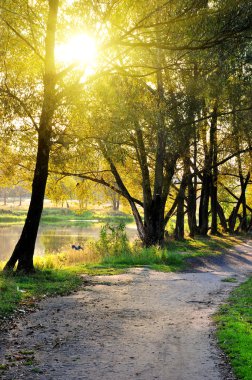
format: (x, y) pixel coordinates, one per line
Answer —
(142, 325)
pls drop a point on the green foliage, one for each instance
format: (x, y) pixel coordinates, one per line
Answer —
(235, 329)
(113, 240)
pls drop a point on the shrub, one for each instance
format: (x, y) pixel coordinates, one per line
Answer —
(113, 240)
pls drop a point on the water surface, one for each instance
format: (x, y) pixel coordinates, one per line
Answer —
(52, 238)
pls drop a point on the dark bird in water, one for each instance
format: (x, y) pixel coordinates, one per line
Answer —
(76, 247)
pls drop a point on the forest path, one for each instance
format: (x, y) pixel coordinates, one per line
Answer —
(142, 325)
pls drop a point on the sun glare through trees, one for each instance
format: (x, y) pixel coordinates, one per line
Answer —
(80, 50)
(148, 100)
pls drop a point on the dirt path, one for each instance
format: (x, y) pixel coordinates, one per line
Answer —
(141, 325)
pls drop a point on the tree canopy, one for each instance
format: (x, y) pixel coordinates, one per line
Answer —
(150, 100)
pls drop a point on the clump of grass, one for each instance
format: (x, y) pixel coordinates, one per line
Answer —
(154, 257)
(229, 279)
(234, 329)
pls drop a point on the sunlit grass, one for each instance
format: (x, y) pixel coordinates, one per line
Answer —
(64, 216)
(152, 257)
(235, 330)
(202, 246)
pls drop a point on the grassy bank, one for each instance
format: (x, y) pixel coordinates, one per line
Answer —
(20, 290)
(60, 273)
(63, 216)
(235, 330)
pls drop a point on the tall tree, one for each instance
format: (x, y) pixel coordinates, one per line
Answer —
(24, 250)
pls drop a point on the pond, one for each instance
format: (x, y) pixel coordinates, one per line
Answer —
(53, 238)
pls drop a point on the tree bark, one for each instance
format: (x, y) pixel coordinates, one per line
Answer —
(205, 188)
(222, 217)
(214, 171)
(180, 220)
(24, 250)
(233, 216)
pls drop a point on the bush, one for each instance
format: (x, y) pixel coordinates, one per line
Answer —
(113, 240)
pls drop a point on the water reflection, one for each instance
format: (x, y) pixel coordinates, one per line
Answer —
(52, 238)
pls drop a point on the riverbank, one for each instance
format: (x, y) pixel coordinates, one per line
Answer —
(63, 216)
(59, 272)
(129, 325)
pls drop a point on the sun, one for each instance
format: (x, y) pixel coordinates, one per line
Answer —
(80, 49)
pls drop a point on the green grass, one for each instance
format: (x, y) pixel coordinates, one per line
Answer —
(202, 246)
(234, 332)
(153, 257)
(19, 289)
(229, 279)
(9, 217)
(63, 216)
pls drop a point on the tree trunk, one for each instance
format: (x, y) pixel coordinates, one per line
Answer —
(214, 170)
(5, 197)
(115, 201)
(233, 216)
(204, 203)
(24, 250)
(191, 198)
(180, 220)
(154, 225)
(208, 184)
(222, 217)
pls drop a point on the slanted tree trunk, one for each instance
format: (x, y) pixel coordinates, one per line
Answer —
(222, 217)
(234, 214)
(24, 250)
(243, 221)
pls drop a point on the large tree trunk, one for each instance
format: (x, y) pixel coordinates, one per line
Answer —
(154, 225)
(24, 250)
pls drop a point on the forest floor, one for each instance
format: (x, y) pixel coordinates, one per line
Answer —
(142, 325)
